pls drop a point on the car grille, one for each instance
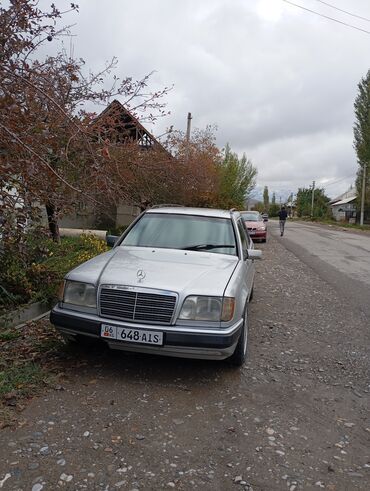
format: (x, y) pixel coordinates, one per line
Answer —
(137, 306)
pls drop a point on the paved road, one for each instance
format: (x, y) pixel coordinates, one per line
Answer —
(340, 257)
(294, 418)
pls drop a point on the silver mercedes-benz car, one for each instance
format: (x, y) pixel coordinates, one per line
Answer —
(177, 282)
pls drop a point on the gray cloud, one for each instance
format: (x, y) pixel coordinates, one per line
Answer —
(278, 83)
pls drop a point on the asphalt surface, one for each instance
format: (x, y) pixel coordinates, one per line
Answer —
(295, 417)
(340, 257)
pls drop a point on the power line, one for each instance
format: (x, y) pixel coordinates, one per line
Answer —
(326, 17)
(335, 182)
(344, 11)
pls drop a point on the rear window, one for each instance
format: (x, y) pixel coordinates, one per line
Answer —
(187, 232)
(251, 217)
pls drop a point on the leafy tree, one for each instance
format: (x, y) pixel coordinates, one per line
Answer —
(237, 179)
(266, 199)
(49, 152)
(195, 179)
(274, 207)
(259, 206)
(304, 201)
(362, 136)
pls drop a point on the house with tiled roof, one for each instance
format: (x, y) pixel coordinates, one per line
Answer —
(115, 124)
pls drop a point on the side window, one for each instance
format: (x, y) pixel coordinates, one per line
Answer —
(243, 236)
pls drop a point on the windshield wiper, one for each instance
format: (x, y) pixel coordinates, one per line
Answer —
(205, 247)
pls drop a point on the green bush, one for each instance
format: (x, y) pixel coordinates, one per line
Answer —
(33, 269)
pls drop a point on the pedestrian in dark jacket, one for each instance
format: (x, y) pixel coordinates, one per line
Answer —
(282, 219)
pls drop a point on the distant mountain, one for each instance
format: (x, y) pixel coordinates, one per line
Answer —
(284, 194)
(250, 202)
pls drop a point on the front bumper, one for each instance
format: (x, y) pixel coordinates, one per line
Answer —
(180, 341)
(259, 234)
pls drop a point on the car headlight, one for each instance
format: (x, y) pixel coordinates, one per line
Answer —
(77, 293)
(197, 308)
(262, 227)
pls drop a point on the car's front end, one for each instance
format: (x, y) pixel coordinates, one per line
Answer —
(255, 224)
(181, 302)
(257, 230)
(190, 341)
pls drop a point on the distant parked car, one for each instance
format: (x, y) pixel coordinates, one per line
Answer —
(265, 217)
(255, 224)
(177, 282)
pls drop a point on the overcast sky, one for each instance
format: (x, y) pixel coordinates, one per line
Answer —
(278, 82)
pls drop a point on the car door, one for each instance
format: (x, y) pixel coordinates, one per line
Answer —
(248, 264)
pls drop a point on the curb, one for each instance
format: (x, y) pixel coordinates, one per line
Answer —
(17, 318)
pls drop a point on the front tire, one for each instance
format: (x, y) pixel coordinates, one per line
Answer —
(69, 338)
(240, 354)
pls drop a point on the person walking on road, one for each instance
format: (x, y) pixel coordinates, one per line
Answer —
(282, 219)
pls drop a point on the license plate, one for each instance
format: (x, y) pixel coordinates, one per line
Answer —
(131, 335)
(252, 232)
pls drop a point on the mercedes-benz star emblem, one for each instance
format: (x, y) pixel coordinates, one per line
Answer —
(140, 275)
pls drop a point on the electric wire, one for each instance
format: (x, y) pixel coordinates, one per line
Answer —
(327, 17)
(325, 185)
(344, 11)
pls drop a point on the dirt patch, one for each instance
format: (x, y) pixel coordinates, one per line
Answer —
(32, 359)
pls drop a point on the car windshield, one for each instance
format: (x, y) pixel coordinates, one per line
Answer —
(251, 217)
(187, 232)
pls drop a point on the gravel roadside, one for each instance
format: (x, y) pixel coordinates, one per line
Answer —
(296, 416)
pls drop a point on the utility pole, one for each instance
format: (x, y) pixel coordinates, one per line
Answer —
(313, 197)
(188, 131)
(188, 128)
(291, 205)
(363, 194)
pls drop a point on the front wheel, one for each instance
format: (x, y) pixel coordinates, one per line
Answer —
(240, 354)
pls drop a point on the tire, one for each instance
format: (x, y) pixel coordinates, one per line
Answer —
(240, 354)
(69, 339)
(79, 341)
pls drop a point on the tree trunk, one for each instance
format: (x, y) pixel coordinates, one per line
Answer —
(53, 222)
(144, 204)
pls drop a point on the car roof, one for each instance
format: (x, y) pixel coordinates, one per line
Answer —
(184, 210)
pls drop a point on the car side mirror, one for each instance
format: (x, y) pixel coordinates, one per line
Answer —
(254, 254)
(111, 240)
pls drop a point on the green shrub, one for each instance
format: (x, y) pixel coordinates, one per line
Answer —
(32, 270)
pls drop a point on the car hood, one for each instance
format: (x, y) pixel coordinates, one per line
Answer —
(249, 224)
(179, 271)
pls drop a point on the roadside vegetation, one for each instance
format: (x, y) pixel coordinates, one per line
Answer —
(320, 206)
(361, 131)
(335, 223)
(33, 270)
(265, 206)
(271, 208)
